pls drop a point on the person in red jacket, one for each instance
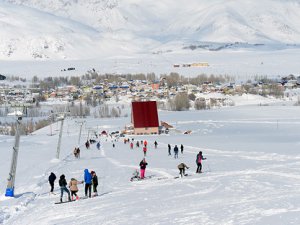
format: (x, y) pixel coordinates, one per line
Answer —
(143, 165)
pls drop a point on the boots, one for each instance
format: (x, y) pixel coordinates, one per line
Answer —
(69, 199)
(60, 199)
(77, 198)
(72, 198)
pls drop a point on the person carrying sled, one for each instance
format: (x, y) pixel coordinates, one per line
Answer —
(63, 187)
(181, 168)
(143, 165)
(94, 182)
(176, 152)
(199, 159)
(88, 183)
(135, 175)
(73, 187)
(155, 144)
(51, 180)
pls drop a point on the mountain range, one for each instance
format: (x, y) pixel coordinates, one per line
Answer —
(84, 29)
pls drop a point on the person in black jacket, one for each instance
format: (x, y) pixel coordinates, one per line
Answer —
(63, 187)
(143, 165)
(94, 182)
(169, 149)
(51, 180)
(181, 148)
(176, 152)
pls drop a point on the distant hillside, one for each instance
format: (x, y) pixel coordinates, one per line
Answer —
(82, 29)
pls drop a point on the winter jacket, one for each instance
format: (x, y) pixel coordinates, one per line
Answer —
(73, 184)
(52, 178)
(182, 166)
(62, 181)
(95, 180)
(199, 158)
(143, 165)
(87, 177)
(176, 149)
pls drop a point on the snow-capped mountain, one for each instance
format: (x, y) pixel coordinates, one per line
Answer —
(81, 29)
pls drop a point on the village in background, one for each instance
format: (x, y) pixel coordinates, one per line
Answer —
(110, 95)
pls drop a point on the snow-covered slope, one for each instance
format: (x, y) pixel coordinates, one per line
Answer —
(90, 28)
(251, 175)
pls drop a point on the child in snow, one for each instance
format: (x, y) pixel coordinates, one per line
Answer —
(73, 187)
(94, 182)
(181, 168)
(135, 175)
(63, 183)
(143, 165)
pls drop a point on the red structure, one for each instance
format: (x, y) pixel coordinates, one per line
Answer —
(144, 117)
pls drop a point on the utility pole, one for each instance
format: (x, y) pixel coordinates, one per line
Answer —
(81, 124)
(60, 135)
(12, 174)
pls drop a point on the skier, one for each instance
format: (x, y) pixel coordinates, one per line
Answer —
(135, 175)
(63, 183)
(51, 180)
(94, 182)
(73, 187)
(143, 165)
(169, 149)
(75, 152)
(145, 150)
(176, 152)
(181, 168)
(98, 145)
(199, 162)
(78, 152)
(155, 144)
(88, 182)
(181, 148)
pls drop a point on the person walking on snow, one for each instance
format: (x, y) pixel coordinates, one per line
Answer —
(131, 145)
(145, 143)
(199, 159)
(137, 144)
(51, 180)
(181, 148)
(176, 152)
(143, 165)
(73, 187)
(169, 149)
(181, 168)
(88, 183)
(145, 150)
(95, 183)
(98, 145)
(63, 187)
(155, 144)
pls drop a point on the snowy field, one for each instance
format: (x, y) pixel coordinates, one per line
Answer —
(240, 64)
(251, 175)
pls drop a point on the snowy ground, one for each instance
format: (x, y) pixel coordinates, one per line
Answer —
(251, 175)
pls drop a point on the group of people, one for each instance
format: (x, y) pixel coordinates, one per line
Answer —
(90, 180)
(176, 150)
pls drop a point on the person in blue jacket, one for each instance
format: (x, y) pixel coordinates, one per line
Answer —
(88, 183)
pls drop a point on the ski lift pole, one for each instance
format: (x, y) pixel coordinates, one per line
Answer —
(60, 136)
(12, 174)
(81, 124)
